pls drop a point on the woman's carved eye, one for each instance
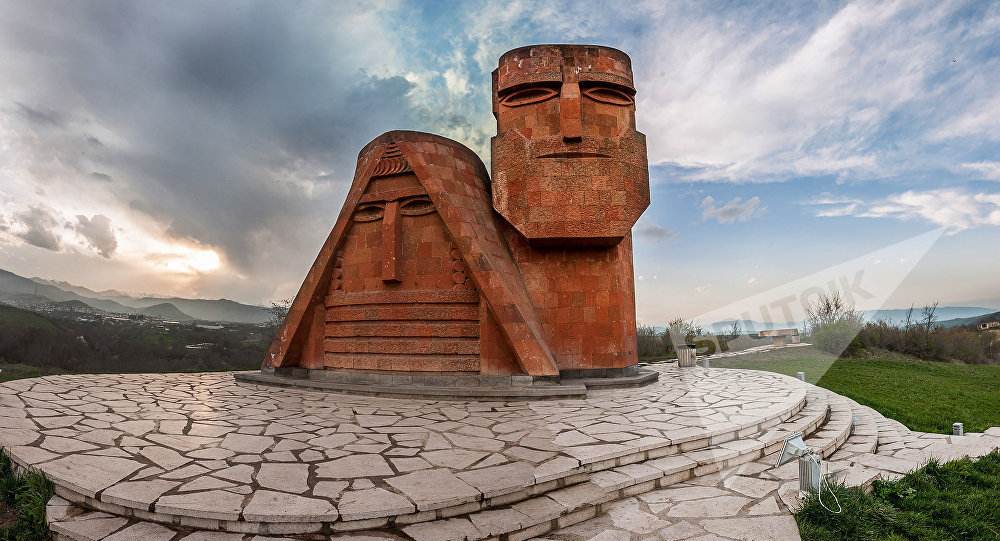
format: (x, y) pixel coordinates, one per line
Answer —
(417, 206)
(369, 212)
(528, 95)
(608, 95)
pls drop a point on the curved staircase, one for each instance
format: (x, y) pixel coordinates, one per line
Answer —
(729, 459)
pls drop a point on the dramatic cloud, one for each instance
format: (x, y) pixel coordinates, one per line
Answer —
(219, 138)
(733, 211)
(652, 232)
(233, 126)
(988, 170)
(36, 227)
(98, 233)
(758, 93)
(955, 209)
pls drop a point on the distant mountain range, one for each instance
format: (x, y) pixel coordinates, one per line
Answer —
(20, 289)
(976, 320)
(946, 316)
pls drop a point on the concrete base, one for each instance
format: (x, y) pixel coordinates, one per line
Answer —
(572, 384)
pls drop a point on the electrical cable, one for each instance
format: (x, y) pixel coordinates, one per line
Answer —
(823, 481)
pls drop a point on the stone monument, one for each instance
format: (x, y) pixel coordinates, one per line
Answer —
(434, 275)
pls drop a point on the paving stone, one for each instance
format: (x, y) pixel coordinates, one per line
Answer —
(577, 496)
(681, 530)
(750, 486)
(214, 536)
(767, 506)
(146, 531)
(498, 480)
(214, 504)
(168, 459)
(362, 484)
(719, 506)
(682, 493)
(92, 527)
(65, 445)
(284, 477)
(772, 528)
(440, 530)
(88, 474)
(627, 516)
(373, 503)
(270, 506)
(240, 473)
(433, 489)
(556, 468)
(187, 472)
(137, 494)
(408, 464)
(499, 521)
(243, 443)
(205, 483)
(353, 466)
(329, 489)
(456, 459)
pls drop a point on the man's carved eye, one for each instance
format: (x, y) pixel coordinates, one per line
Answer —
(608, 95)
(528, 95)
(416, 206)
(369, 212)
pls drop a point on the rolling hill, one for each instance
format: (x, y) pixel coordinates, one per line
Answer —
(15, 316)
(958, 322)
(165, 311)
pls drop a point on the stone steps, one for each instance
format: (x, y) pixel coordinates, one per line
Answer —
(573, 489)
(723, 445)
(716, 449)
(575, 495)
(577, 503)
(835, 427)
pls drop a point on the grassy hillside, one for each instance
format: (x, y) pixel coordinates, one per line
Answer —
(924, 395)
(23, 318)
(166, 311)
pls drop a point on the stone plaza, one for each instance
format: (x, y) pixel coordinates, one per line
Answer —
(200, 456)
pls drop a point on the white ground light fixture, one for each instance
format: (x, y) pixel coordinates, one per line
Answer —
(810, 474)
(809, 463)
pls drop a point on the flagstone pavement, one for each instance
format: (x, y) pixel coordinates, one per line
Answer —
(200, 456)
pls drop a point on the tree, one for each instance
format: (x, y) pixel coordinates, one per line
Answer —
(927, 316)
(909, 318)
(680, 331)
(834, 323)
(277, 311)
(648, 342)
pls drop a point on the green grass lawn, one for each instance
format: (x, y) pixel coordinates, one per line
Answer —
(9, 372)
(956, 501)
(22, 503)
(924, 395)
(10, 315)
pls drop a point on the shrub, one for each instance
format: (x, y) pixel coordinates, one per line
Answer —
(838, 338)
(708, 344)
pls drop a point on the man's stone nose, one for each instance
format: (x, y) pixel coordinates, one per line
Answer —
(570, 114)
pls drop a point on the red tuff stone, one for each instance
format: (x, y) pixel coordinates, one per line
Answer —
(427, 270)
(565, 127)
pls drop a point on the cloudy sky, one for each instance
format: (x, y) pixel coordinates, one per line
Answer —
(205, 148)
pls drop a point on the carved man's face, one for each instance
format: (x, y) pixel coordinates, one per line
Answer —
(568, 163)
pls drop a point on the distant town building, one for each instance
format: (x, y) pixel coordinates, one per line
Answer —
(989, 325)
